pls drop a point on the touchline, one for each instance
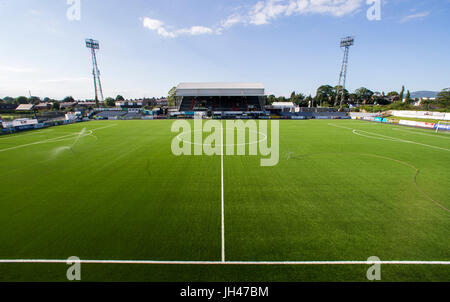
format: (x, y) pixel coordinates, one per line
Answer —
(229, 139)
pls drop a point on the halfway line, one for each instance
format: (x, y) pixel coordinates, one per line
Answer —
(222, 192)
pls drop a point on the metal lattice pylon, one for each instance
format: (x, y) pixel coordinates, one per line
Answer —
(345, 44)
(94, 45)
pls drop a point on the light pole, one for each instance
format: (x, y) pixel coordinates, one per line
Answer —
(94, 45)
(345, 44)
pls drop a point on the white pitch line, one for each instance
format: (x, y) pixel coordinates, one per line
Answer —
(394, 139)
(22, 135)
(222, 193)
(420, 133)
(387, 138)
(157, 262)
(56, 139)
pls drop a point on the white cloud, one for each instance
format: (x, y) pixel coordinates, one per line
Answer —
(231, 20)
(414, 16)
(262, 12)
(162, 30)
(152, 24)
(265, 11)
(195, 30)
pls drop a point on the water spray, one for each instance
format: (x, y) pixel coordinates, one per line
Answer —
(77, 139)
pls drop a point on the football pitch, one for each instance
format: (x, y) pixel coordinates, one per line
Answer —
(113, 194)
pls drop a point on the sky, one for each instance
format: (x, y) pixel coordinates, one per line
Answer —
(149, 46)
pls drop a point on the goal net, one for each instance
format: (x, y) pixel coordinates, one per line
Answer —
(443, 126)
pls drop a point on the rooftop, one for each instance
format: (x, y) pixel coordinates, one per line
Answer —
(220, 89)
(220, 85)
(25, 107)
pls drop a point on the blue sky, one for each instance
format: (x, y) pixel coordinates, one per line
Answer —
(149, 46)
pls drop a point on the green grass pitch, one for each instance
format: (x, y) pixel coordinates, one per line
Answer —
(342, 191)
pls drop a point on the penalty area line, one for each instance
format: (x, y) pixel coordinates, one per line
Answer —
(156, 262)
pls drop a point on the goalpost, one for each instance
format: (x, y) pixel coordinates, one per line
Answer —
(443, 126)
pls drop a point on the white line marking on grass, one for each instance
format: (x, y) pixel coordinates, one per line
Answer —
(50, 140)
(23, 135)
(161, 262)
(222, 192)
(57, 139)
(387, 138)
(179, 138)
(109, 126)
(420, 133)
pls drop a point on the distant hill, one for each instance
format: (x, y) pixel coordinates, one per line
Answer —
(424, 94)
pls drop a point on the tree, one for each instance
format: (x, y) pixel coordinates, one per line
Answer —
(34, 100)
(402, 92)
(8, 100)
(171, 98)
(364, 95)
(309, 101)
(21, 100)
(337, 91)
(408, 97)
(301, 101)
(281, 99)
(271, 98)
(120, 98)
(297, 99)
(426, 104)
(68, 99)
(292, 98)
(381, 100)
(394, 96)
(353, 98)
(55, 105)
(324, 94)
(110, 102)
(443, 98)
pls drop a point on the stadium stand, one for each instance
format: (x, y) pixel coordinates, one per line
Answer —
(111, 114)
(238, 97)
(132, 115)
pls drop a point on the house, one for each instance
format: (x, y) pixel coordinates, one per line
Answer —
(25, 107)
(4, 106)
(44, 106)
(86, 104)
(68, 105)
(284, 107)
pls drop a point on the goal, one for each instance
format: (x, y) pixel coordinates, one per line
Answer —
(443, 126)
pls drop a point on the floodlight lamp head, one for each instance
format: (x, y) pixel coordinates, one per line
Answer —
(347, 41)
(93, 44)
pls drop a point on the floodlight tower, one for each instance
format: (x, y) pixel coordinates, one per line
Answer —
(345, 44)
(94, 45)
